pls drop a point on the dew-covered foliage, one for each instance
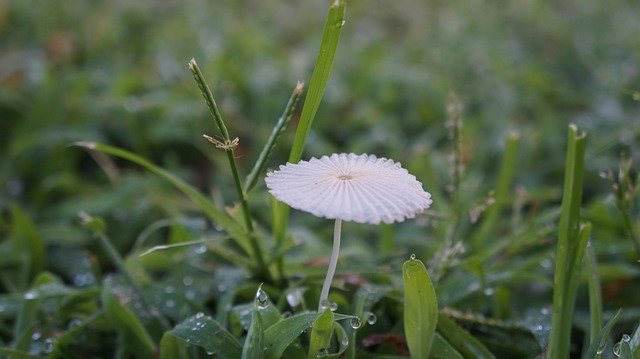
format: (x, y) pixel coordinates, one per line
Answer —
(125, 233)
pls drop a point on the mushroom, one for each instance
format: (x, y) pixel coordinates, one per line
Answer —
(348, 187)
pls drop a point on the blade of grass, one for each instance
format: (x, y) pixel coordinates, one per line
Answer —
(258, 168)
(570, 247)
(597, 345)
(463, 342)
(319, 78)
(280, 335)
(228, 146)
(595, 294)
(321, 332)
(420, 308)
(205, 204)
(502, 192)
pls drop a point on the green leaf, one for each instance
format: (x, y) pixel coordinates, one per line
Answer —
(258, 168)
(420, 308)
(26, 239)
(595, 293)
(205, 204)
(172, 347)
(208, 334)
(463, 342)
(441, 349)
(319, 77)
(127, 324)
(280, 335)
(253, 345)
(321, 333)
(598, 344)
(635, 342)
(570, 248)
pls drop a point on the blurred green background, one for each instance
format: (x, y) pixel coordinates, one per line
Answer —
(116, 72)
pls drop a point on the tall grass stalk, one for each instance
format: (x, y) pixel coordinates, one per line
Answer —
(572, 239)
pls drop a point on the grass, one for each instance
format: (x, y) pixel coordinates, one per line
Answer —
(144, 240)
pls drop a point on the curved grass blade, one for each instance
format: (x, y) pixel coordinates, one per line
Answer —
(258, 168)
(600, 341)
(127, 324)
(570, 247)
(208, 334)
(280, 335)
(463, 342)
(205, 204)
(441, 349)
(172, 347)
(420, 308)
(321, 333)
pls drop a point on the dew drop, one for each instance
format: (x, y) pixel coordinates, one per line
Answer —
(187, 280)
(200, 249)
(489, 292)
(30, 295)
(325, 304)
(262, 298)
(169, 289)
(333, 306)
(48, 345)
(199, 315)
(371, 318)
(616, 349)
(626, 338)
(36, 336)
(170, 303)
(322, 353)
(355, 323)
(345, 341)
(413, 256)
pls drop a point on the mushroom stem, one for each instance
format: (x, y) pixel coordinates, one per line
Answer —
(333, 262)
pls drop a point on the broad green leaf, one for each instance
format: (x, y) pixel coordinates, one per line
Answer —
(420, 308)
(127, 324)
(280, 335)
(321, 333)
(463, 342)
(253, 345)
(172, 347)
(600, 341)
(441, 349)
(208, 334)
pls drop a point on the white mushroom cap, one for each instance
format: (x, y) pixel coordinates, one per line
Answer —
(350, 187)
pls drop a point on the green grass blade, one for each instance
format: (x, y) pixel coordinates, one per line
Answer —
(502, 192)
(463, 342)
(172, 347)
(280, 335)
(570, 248)
(253, 345)
(127, 324)
(595, 293)
(257, 171)
(321, 332)
(27, 240)
(208, 334)
(635, 342)
(420, 308)
(205, 204)
(208, 98)
(319, 77)
(598, 344)
(441, 349)
(16, 354)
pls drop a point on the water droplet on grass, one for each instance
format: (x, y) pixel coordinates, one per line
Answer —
(355, 323)
(262, 298)
(412, 256)
(333, 306)
(371, 318)
(325, 304)
(616, 349)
